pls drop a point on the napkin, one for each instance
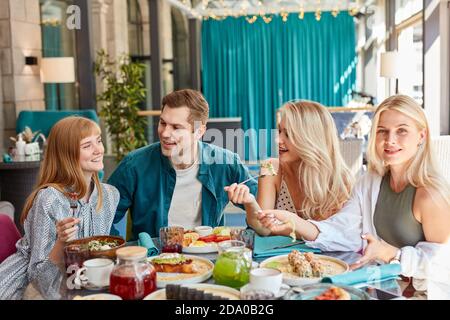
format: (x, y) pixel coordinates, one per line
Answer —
(264, 246)
(146, 241)
(366, 275)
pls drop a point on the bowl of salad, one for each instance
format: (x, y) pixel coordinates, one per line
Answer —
(104, 246)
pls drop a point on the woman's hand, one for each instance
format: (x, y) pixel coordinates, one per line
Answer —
(67, 229)
(239, 194)
(279, 222)
(375, 250)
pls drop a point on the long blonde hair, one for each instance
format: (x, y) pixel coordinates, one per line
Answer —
(61, 168)
(421, 170)
(323, 175)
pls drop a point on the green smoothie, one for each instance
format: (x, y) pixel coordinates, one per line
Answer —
(232, 269)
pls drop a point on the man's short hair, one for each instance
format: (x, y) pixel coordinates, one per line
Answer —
(194, 100)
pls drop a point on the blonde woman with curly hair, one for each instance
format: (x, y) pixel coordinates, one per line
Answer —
(399, 210)
(68, 177)
(313, 181)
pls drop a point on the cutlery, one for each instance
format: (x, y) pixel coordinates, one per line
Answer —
(73, 203)
(255, 178)
(288, 245)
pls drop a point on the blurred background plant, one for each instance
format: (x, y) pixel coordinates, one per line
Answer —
(27, 135)
(123, 92)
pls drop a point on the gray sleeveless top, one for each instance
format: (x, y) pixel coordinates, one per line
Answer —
(393, 217)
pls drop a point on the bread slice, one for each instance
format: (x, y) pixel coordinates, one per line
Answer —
(181, 267)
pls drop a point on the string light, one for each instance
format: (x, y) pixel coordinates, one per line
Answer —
(318, 13)
(335, 12)
(354, 9)
(267, 19)
(267, 10)
(301, 14)
(252, 19)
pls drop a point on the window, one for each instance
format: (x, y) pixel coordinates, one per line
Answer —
(409, 29)
(58, 41)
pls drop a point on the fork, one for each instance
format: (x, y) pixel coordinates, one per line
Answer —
(255, 177)
(289, 245)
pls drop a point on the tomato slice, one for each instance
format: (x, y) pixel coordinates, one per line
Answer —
(210, 238)
(222, 238)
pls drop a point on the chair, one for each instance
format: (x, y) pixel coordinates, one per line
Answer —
(440, 146)
(7, 208)
(9, 235)
(352, 152)
(44, 120)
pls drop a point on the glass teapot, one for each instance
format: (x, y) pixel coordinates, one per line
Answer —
(233, 264)
(133, 277)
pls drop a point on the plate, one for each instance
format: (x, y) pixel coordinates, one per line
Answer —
(310, 292)
(98, 296)
(283, 290)
(91, 287)
(223, 291)
(165, 278)
(294, 280)
(212, 247)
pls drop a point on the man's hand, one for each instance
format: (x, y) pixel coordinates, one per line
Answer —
(239, 194)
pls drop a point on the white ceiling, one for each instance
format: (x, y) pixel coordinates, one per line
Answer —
(218, 8)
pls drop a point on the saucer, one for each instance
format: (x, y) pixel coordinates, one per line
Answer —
(283, 290)
(89, 286)
(92, 287)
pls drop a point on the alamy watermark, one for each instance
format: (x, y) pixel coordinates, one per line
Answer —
(73, 17)
(250, 145)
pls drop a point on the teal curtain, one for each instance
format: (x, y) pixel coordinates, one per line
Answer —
(250, 70)
(51, 40)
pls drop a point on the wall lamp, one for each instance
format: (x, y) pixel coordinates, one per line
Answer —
(31, 61)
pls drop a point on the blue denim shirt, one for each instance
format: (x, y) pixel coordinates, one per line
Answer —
(146, 180)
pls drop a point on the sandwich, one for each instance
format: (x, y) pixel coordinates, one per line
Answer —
(173, 263)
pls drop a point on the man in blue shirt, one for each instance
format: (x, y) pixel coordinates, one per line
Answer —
(178, 180)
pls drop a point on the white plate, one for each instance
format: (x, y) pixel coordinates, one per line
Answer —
(283, 289)
(293, 280)
(204, 249)
(164, 278)
(98, 296)
(215, 289)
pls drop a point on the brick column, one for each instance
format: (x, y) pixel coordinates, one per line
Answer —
(20, 36)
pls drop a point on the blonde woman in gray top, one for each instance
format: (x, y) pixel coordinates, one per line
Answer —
(73, 158)
(313, 181)
(399, 211)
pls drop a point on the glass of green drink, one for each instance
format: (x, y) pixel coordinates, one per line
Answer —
(233, 264)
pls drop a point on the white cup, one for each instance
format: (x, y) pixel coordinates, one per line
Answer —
(203, 230)
(97, 271)
(266, 279)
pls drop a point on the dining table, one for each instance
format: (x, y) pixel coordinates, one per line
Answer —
(63, 289)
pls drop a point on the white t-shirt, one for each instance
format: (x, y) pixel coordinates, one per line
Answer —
(186, 206)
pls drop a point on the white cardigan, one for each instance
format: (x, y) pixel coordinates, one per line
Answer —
(428, 263)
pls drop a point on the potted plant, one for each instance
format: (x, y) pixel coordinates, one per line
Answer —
(123, 92)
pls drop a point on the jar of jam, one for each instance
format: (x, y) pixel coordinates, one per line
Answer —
(133, 277)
